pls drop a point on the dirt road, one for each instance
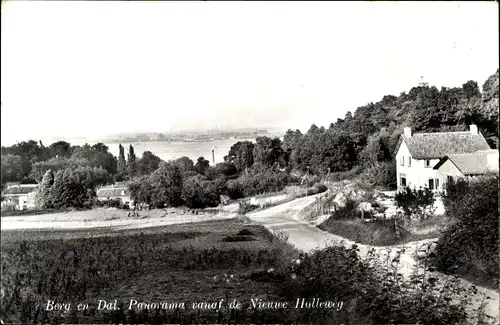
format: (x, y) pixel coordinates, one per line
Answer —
(306, 237)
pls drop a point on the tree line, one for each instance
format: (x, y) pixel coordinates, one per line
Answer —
(363, 142)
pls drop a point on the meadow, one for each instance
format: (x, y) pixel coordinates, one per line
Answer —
(205, 263)
(179, 263)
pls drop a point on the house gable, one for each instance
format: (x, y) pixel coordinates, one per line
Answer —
(448, 168)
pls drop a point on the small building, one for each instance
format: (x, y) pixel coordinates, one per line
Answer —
(112, 192)
(21, 196)
(469, 165)
(418, 153)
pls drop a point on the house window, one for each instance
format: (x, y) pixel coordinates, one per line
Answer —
(431, 183)
(437, 183)
(449, 179)
(402, 160)
(402, 179)
(409, 161)
(427, 163)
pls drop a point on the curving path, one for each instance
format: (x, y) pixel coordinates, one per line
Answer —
(306, 237)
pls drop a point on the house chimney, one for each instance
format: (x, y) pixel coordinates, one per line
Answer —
(407, 132)
(473, 129)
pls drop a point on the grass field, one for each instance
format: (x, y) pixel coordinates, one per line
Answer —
(179, 263)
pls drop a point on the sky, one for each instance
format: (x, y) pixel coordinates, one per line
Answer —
(95, 68)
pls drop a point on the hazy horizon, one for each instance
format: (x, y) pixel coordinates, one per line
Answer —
(95, 69)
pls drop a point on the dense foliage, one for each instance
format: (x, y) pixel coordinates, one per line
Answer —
(371, 134)
(161, 188)
(70, 187)
(415, 202)
(470, 246)
(259, 181)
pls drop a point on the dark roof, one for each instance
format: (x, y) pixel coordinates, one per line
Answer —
(15, 190)
(438, 145)
(473, 163)
(112, 192)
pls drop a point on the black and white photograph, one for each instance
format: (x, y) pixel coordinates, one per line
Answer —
(250, 162)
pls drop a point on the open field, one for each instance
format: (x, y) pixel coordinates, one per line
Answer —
(182, 263)
(117, 219)
(114, 218)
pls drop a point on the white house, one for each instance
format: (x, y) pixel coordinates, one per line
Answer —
(122, 193)
(20, 196)
(469, 165)
(418, 153)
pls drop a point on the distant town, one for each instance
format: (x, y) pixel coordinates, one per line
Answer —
(192, 136)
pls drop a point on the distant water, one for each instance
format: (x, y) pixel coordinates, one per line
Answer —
(173, 150)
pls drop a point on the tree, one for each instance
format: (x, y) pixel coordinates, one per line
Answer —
(184, 163)
(148, 163)
(374, 151)
(39, 169)
(226, 169)
(131, 162)
(241, 155)
(122, 164)
(91, 177)
(166, 184)
(201, 165)
(67, 191)
(141, 191)
(471, 89)
(43, 194)
(97, 155)
(61, 149)
(200, 193)
(267, 151)
(11, 166)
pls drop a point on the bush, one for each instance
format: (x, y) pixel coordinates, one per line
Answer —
(370, 290)
(340, 176)
(261, 182)
(8, 207)
(470, 246)
(346, 212)
(415, 202)
(112, 203)
(381, 174)
(245, 207)
(234, 189)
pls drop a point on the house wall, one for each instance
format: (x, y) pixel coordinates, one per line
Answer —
(417, 174)
(20, 200)
(448, 169)
(32, 200)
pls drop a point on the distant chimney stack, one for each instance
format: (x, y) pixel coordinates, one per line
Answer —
(407, 132)
(213, 157)
(473, 129)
